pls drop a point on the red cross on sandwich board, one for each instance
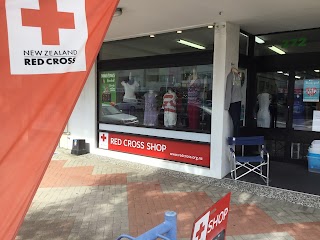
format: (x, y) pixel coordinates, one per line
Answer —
(199, 233)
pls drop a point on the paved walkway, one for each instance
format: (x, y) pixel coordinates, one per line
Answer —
(90, 197)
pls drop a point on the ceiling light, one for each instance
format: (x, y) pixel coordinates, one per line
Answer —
(317, 70)
(190, 44)
(279, 72)
(152, 36)
(210, 26)
(259, 40)
(117, 12)
(243, 34)
(297, 77)
(179, 31)
(287, 74)
(277, 50)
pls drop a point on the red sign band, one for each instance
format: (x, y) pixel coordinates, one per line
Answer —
(175, 150)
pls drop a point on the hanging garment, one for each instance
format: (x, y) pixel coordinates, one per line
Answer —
(233, 99)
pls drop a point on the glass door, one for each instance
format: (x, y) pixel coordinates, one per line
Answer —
(271, 112)
(306, 100)
(306, 108)
(286, 112)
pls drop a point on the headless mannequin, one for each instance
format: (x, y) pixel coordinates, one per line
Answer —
(150, 111)
(263, 115)
(169, 104)
(130, 86)
(194, 101)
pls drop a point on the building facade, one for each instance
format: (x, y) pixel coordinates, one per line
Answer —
(158, 93)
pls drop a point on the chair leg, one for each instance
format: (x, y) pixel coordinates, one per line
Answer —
(268, 173)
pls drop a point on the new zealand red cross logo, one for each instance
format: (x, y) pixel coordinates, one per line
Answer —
(49, 20)
(311, 91)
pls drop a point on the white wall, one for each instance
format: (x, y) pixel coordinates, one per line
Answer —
(82, 122)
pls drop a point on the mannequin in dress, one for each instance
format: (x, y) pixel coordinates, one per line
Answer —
(263, 115)
(169, 105)
(130, 86)
(150, 110)
(194, 100)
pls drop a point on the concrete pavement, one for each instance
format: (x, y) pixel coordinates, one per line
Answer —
(93, 197)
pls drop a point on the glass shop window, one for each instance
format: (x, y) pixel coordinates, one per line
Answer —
(176, 98)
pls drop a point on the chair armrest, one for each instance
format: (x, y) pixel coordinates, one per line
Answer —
(264, 151)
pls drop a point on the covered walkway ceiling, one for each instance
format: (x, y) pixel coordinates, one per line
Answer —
(143, 17)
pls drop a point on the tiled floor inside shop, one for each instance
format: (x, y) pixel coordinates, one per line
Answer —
(295, 177)
(94, 197)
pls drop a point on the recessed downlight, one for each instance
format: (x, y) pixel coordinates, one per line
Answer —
(152, 36)
(179, 31)
(210, 26)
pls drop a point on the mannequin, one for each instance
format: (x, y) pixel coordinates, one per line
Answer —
(233, 98)
(130, 86)
(194, 100)
(150, 110)
(263, 115)
(169, 105)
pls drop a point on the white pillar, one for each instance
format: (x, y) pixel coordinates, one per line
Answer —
(226, 53)
(82, 122)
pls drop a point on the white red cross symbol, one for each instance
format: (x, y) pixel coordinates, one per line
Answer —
(199, 233)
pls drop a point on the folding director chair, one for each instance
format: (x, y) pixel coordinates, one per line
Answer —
(249, 163)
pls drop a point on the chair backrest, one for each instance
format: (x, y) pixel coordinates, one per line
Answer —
(255, 140)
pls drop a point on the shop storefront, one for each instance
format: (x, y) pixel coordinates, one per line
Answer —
(159, 103)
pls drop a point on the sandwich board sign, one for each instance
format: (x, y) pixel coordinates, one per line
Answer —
(212, 224)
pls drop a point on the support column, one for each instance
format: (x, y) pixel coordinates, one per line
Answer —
(226, 53)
